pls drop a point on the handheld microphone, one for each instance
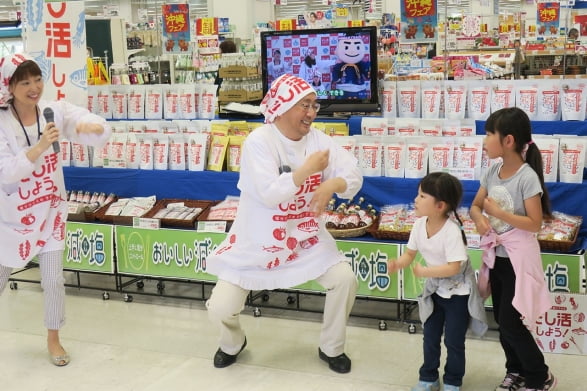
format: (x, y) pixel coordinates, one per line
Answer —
(50, 117)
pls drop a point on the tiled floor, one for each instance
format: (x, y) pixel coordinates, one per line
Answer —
(167, 344)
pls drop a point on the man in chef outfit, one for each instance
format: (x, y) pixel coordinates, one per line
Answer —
(289, 173)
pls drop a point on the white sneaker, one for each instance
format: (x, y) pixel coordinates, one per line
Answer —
(427, 386)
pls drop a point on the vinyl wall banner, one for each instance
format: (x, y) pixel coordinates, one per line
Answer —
(55, 35)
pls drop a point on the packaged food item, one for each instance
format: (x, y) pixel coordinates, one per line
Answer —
(562, 227)
(571, 157)
(527, 98)
(388, 99)
(502, 94)
(455, 100)
(394, 156)
(479, 100)
(408, 99)
(431, 94)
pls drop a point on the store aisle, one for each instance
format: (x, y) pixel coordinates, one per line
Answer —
(164, 344)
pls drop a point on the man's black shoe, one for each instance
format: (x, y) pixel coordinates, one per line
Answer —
(222, 360)
(340, 364)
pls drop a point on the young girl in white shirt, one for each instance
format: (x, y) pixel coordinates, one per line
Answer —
(450, 301)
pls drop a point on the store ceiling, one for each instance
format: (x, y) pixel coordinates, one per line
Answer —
(96, 7)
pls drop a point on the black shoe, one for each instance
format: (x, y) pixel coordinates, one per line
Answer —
(222, 360)
(340, 364)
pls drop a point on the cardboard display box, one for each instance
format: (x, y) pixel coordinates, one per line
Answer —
(238, 72)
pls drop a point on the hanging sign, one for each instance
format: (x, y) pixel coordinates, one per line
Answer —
(419, 21)
(548, 17)
(206, 26)
(285, 24)
(176, 28)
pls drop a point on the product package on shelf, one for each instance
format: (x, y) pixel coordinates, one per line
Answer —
(123, 210)
(223, 212)
(349, 220)
(413, 147)
(84, 207)
(395, 222)
(178, 213)
(560, 233)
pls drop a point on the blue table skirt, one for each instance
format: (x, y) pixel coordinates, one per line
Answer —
(210, 185)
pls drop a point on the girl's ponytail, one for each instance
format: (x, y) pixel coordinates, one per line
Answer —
(461, 227)
(534, 160)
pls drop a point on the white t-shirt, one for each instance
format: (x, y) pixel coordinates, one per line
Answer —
(443, 247)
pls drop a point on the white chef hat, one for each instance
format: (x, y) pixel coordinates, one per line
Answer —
(286, 91)
(8, 65)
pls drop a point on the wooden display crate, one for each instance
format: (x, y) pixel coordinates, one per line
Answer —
(102, 217)
(179, 223)
(204, 216)
(89, 216)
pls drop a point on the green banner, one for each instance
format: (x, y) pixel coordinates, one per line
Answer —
(561, 271)
(165, 252)
(369, 262)
(89, 247)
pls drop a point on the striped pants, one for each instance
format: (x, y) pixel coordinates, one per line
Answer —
(52, 282)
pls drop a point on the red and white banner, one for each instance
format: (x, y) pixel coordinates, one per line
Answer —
(562, 329)
(55, 35)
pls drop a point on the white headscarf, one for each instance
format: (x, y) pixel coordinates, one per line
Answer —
(286, 91)
(8, 66)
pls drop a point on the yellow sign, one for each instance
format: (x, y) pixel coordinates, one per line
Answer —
(343, 12)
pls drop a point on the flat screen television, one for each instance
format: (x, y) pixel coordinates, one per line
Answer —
(340, 63)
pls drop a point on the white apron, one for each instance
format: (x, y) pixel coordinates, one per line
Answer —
(276, 241)
(33, 213)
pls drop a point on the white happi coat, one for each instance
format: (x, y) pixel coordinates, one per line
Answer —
(276, 241)
(33, 205)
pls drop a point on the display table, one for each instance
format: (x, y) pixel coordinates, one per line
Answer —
(174, 254)
(210, 185)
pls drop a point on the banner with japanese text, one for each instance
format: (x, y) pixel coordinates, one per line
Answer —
(548, 17)
(419, 21)
(207, 37)
(207, 26)
(562, 273)
(182, 254)
(165, 252)
(563, 329)
(176, 28)
(55, 35)
(369, 262)
(285, 24)
(89, 247)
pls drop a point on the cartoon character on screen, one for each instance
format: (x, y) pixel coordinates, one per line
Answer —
(352, 70)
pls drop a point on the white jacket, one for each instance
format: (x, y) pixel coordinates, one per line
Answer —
(33, 201)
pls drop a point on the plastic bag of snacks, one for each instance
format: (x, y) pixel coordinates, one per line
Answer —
(562, 227)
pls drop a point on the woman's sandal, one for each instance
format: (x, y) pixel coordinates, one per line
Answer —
(61, 360)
